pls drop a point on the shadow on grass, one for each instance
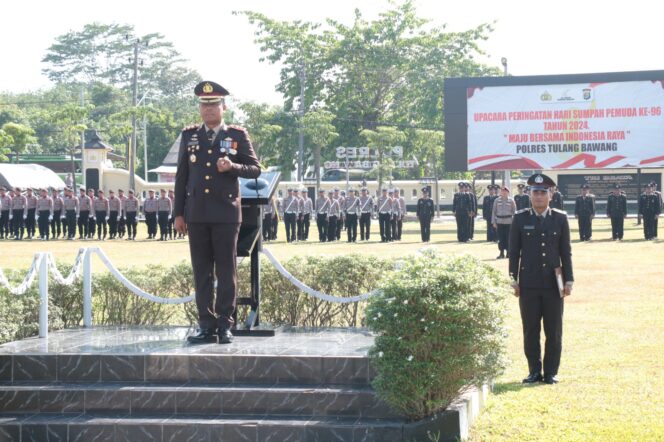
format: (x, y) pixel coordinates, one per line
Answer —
(509, 387)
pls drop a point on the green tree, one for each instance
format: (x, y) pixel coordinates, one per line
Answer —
(5, 140)
(22, 137)
(429, 147)
(320, 131)
(70, 119)
(382, 139)
(259, 121)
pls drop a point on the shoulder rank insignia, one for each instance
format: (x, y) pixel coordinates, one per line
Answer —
(190, 127)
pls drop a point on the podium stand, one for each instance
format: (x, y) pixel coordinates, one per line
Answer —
(255, 193)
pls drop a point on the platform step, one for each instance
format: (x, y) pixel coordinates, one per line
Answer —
(186, 399)
(74, 428)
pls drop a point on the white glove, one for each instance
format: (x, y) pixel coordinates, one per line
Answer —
(25, 217)
(107, 219)
(50, 218)
(10, 217)
(93, 218)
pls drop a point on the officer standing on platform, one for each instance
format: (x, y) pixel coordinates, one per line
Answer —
(164, 210)
(70, 204)
(584, 210)
(616, 210)
(487, 208)
(150, 208)
(557, 201)
(521, 199)
(333, 215)
(351, 210)
(31, 206)
(84, 208)
(101, 214)
(322, 206)
(131, 205)
(650, 207)
(57, 225)
(18, 215)
(290, 204)
(425, 213)
(384, 209)
(366, 205)
(114, 209)
(44, 213)
(5, 207)
(122, 222)
(307, 211)
(540, 248)
(208, 205)
(502, 214)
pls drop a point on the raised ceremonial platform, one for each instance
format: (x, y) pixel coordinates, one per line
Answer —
(145, 383)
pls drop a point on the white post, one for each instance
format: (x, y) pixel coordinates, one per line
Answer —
(87, 288)
(43, 295)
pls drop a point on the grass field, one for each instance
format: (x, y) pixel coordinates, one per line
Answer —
(612, 370)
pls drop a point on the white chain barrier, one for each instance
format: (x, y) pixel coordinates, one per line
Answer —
(75, 272)
(308, 290)
(27, 281)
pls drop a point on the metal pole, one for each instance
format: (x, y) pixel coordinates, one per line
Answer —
(638, 196)
(145, 145)
(87, 288)
(43, 295)
(134, 98)
(300, 157)
(508, 174)
(83, 180)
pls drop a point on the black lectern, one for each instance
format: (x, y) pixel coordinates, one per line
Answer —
(255, 193)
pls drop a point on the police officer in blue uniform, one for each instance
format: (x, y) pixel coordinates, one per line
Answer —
(208, 206)
(539, 249)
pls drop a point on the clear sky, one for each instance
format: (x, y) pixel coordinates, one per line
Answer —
(536, 37)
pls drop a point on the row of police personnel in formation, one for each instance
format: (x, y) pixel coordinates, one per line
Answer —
(48, 214)
(334, 212)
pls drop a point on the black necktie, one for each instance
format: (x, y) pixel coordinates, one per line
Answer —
(210, 135)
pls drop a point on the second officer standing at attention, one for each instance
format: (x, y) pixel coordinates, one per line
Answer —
(208, 206)
(616, 210)
(540, 249)
(584, 210)
(425, 213)
(487, 209)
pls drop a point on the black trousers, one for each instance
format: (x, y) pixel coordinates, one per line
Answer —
(332, 223)
(503, 236)
(92, 226)
(18, 226)
(425, 229)
(101, 224)
(617, 227)
(171, 227)
(131, 225)
(42, 223)
(351, 226)
(340, 225)
(399, 227)
(56, 224)
(163, 224)
(585, 227)
(471, 227)
(83, 225)
(30, 222)
(275, 227)
(267, 226)
(213, 249)
(122, 226)
(151, 222)
(462, 227)
(70, 220)
(385, 224)
(321, 223)
(290, 220)
(650, 226)
(393, 227)
(542, 306)
(300, 227)
(113, 223)
(491, 233)
(4, 224)
(365, 226)
(306, 222)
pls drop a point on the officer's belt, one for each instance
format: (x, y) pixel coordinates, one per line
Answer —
(504, 216)
(383, 213)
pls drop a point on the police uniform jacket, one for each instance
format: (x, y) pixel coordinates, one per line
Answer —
(45, 204)
(616, 205)
(503, 211)
(522, 201)
(131, 205)
(584, 205)
(57, 203)
(322, 205)
(425, 209)
(487, 206)
(71, 203)
(203, 194)
(19, 202)
(366, 204)
(537, 247)
(352, 205)
(5, 202)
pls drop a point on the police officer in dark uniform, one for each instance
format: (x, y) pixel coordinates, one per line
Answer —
(539, 250)
(461, 206)
(473, 211)
(616, 210)
(208, 206)
(425, 213)
(650, 207)
(584, 210)
(487, 207)
(521, 199)
(556, 199)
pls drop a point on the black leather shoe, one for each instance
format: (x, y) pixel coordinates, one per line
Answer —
(225, 336)
(203, 336)
(532, 378)
(550, 379)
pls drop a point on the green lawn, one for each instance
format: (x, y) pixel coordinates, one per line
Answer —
(612, 370)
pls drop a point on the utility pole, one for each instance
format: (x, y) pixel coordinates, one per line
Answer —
(507, 180)
(73, 167)
(134, 99)
(300, 159)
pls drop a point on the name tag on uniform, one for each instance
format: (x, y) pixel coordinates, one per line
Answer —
(528, 227)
